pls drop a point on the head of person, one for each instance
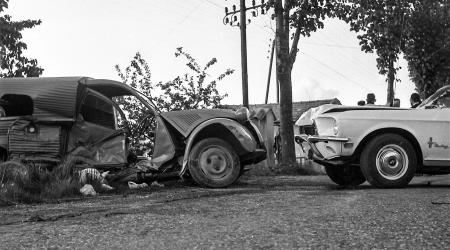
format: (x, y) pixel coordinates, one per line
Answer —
(396, 102)
(415, 98)
(361, 103)
(371, 98)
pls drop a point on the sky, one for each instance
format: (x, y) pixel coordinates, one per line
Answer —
(90, 37)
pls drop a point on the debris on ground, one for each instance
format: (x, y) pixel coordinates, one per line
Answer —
(94, 177)
(146, 165)
(88, 190)
(157, 184)
(133, 185)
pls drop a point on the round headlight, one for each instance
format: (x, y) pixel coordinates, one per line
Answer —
(243, 114)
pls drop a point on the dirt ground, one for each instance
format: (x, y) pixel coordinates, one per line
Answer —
(258, 212)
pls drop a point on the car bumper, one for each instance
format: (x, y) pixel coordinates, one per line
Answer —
(323, 148)
(254, 157)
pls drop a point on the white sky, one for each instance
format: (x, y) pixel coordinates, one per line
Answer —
(89, 37)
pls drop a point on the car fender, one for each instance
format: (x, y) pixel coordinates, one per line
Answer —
(360, 136)
(241, 133)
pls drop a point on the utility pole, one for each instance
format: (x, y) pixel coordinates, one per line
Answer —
(270, 73)
(243, 27)
(232, 19)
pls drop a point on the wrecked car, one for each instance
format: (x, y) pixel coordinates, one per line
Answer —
(385, 146)
(48, 119)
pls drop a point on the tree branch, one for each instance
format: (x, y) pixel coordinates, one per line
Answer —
(294, 49)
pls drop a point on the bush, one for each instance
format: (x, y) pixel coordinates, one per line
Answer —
(28, 183)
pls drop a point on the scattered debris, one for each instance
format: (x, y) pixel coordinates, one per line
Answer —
(90, 175)
(443, 200)
(88, 190)
(95, 178)
(157, 184)
(146, 165)
(133, 185)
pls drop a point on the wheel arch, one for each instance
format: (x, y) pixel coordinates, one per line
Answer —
(402, 132)
(218, 128)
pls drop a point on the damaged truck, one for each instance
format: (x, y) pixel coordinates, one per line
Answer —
(45, 120)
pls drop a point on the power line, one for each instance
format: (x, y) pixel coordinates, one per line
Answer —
(337, 72)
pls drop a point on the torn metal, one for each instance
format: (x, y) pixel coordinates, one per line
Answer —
(48, 119)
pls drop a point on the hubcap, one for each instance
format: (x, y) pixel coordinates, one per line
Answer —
(392, 162)
(215, 162)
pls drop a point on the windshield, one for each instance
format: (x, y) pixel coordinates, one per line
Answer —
(430, 100)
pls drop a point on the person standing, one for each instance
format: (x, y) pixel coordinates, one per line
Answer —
(415, 100)
(370, 100)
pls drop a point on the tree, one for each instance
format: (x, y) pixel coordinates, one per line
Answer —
(12, 61)
(381, 26)
(193, 90)
(427, 47)
(304, 17)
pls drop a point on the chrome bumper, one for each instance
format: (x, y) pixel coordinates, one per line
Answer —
(323, 147)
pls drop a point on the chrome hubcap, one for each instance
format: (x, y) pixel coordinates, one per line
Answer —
(215, 162)
(392, 162)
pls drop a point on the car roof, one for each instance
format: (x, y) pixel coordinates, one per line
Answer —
(57, 96)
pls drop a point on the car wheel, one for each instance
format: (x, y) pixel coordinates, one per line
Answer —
(213, 163)
(388, 160)
(345, 175)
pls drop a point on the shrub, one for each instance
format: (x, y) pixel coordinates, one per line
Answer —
(27, 183)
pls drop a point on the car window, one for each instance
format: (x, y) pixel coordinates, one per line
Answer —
(98, 111)
(443, 101)
(141, 121)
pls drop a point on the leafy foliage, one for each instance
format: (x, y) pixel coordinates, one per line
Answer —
(381, 26)
(192, 90)
(138, 76)
(12, 61)
(427, 48)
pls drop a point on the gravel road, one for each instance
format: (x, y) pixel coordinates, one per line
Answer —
(277, 212)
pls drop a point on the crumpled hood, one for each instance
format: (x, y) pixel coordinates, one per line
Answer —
(186, 120)
(308, 117)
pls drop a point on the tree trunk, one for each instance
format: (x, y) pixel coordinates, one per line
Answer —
(390, 88)
(284, 67)
(286, 126)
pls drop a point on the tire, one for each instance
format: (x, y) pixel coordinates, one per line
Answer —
(388, 161)
(345, 175)
(214, 163)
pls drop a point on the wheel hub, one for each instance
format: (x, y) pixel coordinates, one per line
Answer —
(392, 162)
(214, 162)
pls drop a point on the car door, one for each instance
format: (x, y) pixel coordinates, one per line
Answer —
(96, 134)
(436, 131)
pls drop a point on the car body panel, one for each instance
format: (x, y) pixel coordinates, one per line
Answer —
(425, 125)
(52, 97)
(428, 128)
(240, 132)
(186, 121)
(79, 116)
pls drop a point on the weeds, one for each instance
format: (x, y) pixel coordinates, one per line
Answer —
(28, 183)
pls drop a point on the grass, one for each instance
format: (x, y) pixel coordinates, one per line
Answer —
(22, 182)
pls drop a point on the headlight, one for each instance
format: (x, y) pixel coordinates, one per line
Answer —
(326, 126)
(335, 128)
(242, 114)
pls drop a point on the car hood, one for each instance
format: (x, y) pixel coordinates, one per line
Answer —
(308, 117)
(186, 120)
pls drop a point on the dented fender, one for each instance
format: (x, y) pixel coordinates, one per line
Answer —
(242, 134)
